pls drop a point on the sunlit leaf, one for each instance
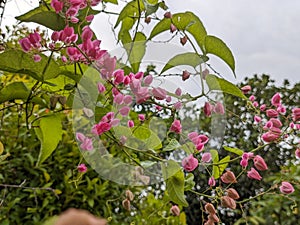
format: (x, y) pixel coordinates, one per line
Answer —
(43, 16)
(189, 58)
(223, 163)
(49, 133)
(17, 61)
(234, 150)
(173, 144)
(189, 182)
(217, 47)
(175, 189)
(169, 168)
(216, 83)
(16, 90)
(111, 1)
(151, 6)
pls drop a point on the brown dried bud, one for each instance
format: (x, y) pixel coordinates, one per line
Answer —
(183, 40)
(185, 75)
(205, 73)
(53, 101)
(175, 210)
(209, 208)
(213, 217)
(145, 179)
(147, 20)
(228, 202)
(232, 193)
(126, 204)
(228, 177)
(62, 100)
(129, 195)
(168, 15)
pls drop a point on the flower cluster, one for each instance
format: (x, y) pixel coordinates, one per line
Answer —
(32, 42)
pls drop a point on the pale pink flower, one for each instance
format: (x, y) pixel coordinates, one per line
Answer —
(176, 126)
(296, 114)
(219, 108)
(190, 163)
(178, 105)
(253, 174)
(124, 111)
(263, 107)
(246, 89)
(178, 92)
(212, 182)
(148, 80)
(86, 143)
(37, 58)
(286, 188)
(118, 99)
(175, 210)
(127, 99)
(255, 104)
(159, 93)
(82, 168)
(297, 153)
(206, 157)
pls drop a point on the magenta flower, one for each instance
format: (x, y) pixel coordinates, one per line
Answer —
(101, 88)
(276, 100)
(57, 5)
(101, 127)
(25, 44)
(130, 123)
(263, 107)
(257, 119)
(296, 114)
(82, 168)
(246, 89)
(176, 127)
(271, 113)
(297, 153)
(253, 174)
(211, 181)
(244, 163)
(124, 111)
(141, 117)
(190, 163)
(286, 188)
(37, 58)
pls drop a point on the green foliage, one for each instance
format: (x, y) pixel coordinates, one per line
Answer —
(16, 90)
(43, 16)
(175, 188)
(234, 150)
(49, 133)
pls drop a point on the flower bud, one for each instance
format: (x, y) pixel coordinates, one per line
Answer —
(208, 108)
(228, 202)
(219, 108)
(168, 15)
(209, 208)
(286, 188)
(297, 153)
(185, 75)
(276, 100)
(211, 181)
(147, 20)
(183, 40)
(228, 177)
(232, 193)
(271, 113)
(175, 210)
(260, 163)
(126, 204)
(246, 89)
(253, 174)
(129, 195)
(214, 218)
(172, 28)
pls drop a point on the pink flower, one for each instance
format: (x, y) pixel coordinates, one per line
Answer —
(255, 104)
(57, 5)
(141, 117)
(139, 75)
(37, 58)
(281, 109)
(219, 108)
(25, 44)
(101, 88)
(260, 163)
(175, 210)
(172, 28)
(178, 91)
(263, 107)
(86, 34)
(296, 114)
(185, 75)
(130, 123)
(276, 100)
(253, 174)
(192, 135)
(190, 163)
(124, 111)
(86, 143)
(119, 76)
(257, 119)
(271, 113)
(208, 108)
(118, 99)
(127, 99)
(252, 98)
(159, 93)
(276, 122)
(168, 99)
(148, 80)
(176, 127)
(286, 188)
(82, 168)
(228, 177)
(206, 157)
(101, 127)
(212, 182)
(89, 18)
(246, 89)
(297, 153)
(178, 105)
(244, 163)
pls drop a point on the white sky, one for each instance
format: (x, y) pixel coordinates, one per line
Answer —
(264, 36)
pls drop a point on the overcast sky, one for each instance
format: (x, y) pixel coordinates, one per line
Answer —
(264, 36)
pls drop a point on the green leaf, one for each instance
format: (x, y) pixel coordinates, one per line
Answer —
(189, 182)
(43, 16)
(188, 58)
(173, 144)
(49, 133)
(151, 6)
(132, 10)
(189, 148)
(217, 47)
(175, 189)
(17, 61)
(169, 168)
(215, 159)
(223, 164)
(16, 90)
(216, 83)
(234, 150)
(160, 27)
(142, 133)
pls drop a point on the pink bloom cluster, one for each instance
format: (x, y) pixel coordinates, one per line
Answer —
(32, 42)
(86, 143)
(106, 123)
(258, 162)
(190, 163)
